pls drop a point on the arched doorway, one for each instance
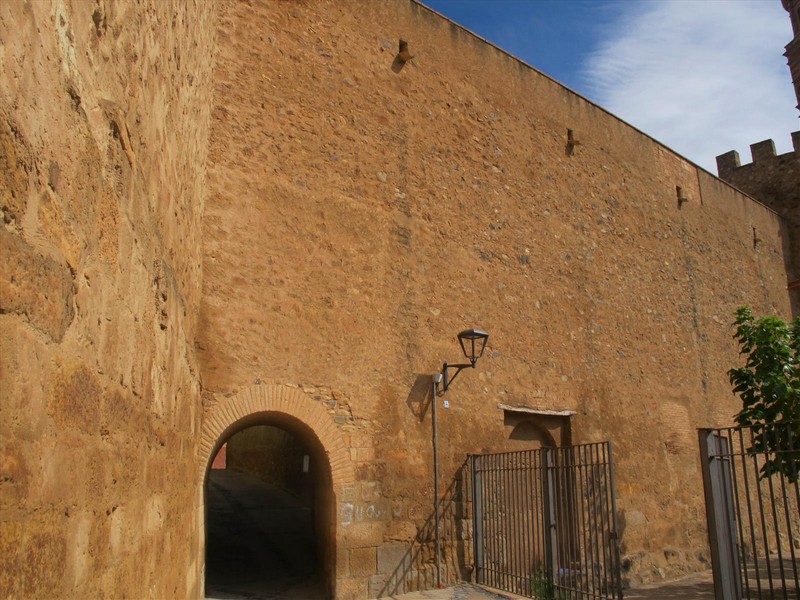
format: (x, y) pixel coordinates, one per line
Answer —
(266, 534)
(269, 517)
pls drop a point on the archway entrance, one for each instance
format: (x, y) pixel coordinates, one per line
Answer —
(312, 426)
(262, 537)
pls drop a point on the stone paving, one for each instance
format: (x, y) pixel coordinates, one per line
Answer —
(462, 591)
(694, 587)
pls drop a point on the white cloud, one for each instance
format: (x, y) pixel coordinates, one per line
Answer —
(701, 76)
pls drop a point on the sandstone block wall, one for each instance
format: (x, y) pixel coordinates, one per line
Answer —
(362, 211)
(274, 456)
(104, 113)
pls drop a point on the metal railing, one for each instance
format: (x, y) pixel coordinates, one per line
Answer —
(750, 477)
(544, 522)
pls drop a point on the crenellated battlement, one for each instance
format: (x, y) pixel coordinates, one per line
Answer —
(761, 152)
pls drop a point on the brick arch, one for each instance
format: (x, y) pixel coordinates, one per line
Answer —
(278, 399)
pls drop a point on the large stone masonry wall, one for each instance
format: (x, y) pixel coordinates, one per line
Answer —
(363, 210)
(104, 112)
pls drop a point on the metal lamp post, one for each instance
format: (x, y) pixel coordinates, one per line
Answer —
(473, 343)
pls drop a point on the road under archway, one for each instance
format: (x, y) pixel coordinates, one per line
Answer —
(261, 538)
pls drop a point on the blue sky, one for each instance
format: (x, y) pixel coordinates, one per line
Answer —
(701, 76)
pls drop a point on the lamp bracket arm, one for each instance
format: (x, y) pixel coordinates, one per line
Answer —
(447, 379)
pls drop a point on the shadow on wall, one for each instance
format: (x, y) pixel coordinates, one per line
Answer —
(416, 568)
(420, 396)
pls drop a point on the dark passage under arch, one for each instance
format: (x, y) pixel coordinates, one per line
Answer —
(268, 530)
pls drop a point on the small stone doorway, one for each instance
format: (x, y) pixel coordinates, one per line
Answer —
(267, 527)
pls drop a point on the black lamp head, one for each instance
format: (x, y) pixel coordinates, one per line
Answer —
(473, 343)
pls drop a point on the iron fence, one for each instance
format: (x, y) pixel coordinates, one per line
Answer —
(750, 476)
(544, 522)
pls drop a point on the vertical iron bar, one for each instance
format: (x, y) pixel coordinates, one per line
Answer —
(477, 519)
(568, 519)
(724, 476)
(613, 497)
(576, 522)
(509, 537)
(548, 526)
(598, 468)
(558, 526)
(512, 474)
(591, 516)
(496, 524)
(795, 471)
(538, 515)
(737, 505)
(753, 542)
(606, 521)
(541, 554)
(491, 516)
(787, 503)
(492, 522)
(512, 563)
(775, 521)
(591, 513)
(542, 543)
(506, 524)
(436, 488)
(519, 520)
(582, 526)
(529, 532)
(571, 519)
(764, 534)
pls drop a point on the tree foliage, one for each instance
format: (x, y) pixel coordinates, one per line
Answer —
(769, 386)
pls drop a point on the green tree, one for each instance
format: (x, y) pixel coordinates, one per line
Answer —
(769, 386)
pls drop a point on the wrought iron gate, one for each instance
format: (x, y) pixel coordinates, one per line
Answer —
(544, 522)
(751, 477)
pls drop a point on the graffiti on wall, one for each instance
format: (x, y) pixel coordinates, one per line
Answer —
(351, 512)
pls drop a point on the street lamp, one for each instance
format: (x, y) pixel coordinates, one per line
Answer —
(473, 343)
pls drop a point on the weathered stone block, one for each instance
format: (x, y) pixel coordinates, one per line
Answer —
(35, 286)
(351, 589)
(15, 473)
(348, 493)
(359, 535)
(75, 400)
(392, 556)
(15, 162)
(342, 565)
(363, 561)
(32, 555)
(376, 587)
(365, 454)
(401, 531)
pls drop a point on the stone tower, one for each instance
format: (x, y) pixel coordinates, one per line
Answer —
(774, 179)
(793, 48)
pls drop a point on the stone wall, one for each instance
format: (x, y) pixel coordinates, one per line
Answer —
(274, 456)
(104, 114)
(362, 210)
(358, 211)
